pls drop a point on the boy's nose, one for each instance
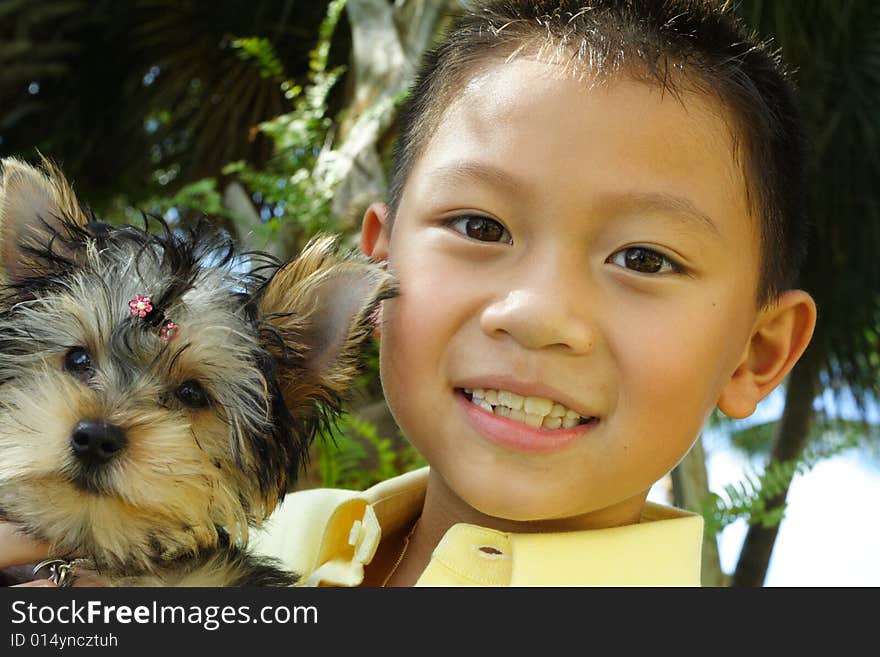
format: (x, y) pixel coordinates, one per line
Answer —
(537, 318)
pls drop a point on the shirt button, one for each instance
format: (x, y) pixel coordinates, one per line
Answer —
(364, 536)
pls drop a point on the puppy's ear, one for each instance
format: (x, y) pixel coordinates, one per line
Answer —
(321, 309)
(35, 207)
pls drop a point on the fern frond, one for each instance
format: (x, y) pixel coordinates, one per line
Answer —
(354, 456)
(295, 185)
(750, 498)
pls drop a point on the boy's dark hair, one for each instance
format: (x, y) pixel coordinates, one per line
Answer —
(680, 45)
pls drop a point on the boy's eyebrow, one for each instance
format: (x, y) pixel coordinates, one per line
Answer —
(465, 171)
(670, 204)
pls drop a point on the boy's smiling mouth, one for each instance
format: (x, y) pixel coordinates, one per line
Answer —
(540, 425)
(535, 412)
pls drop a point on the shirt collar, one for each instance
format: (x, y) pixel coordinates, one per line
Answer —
(663, 549)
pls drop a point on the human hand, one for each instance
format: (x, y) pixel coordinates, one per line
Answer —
(17, 549)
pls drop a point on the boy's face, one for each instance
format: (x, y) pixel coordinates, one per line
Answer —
(588, 246)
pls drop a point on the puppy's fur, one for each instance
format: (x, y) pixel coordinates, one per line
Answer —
(187, 441)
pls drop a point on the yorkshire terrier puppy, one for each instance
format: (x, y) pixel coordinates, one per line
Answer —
(156, 398)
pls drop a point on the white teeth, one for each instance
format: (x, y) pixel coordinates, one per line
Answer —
(532, 411)
(558, 410)
(537, 405)
(510, 399)
(534, 420)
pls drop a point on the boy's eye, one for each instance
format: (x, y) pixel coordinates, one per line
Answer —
(78, 362)
(644, 261)
(191, 394)
(479, 228)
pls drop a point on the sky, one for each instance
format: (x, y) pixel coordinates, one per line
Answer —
(829, 535)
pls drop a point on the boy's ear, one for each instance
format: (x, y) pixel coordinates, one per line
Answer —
(781, 335)
(375, 232)
(375, 237)
(321, 308)
(34, 204)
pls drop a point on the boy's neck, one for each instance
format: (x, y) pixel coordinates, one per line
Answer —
(443, 509)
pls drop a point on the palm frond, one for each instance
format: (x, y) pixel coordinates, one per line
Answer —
(834, 49)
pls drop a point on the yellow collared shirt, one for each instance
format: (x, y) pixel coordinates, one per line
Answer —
(330, 536)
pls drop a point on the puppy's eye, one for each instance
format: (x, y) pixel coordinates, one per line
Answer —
(191, 394)
(78, 362)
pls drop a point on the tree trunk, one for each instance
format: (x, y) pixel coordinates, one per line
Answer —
(791, 438)
(387, 41)
(690, 487)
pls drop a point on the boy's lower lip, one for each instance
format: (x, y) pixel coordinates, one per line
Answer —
(516, 435)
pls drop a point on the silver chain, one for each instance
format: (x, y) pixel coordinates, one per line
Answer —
(60, 571)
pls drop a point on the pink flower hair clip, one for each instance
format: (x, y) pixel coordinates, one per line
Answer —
(169, 331)
(140, 305)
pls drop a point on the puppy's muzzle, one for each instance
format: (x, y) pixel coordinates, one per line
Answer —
(95, 443)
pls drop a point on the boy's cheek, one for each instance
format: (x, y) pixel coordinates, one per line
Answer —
(686, 375)
(427, 303)
(406, 339)
(407, 321)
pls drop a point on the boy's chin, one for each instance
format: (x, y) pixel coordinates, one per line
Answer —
(508, 502)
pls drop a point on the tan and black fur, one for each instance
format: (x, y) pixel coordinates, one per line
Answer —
(208, 429)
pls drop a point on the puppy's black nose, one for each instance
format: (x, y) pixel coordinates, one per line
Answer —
(97, 442)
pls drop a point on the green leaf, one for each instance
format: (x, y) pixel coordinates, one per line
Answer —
(750, 498)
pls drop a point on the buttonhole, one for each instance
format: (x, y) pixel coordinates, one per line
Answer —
(489, 552)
